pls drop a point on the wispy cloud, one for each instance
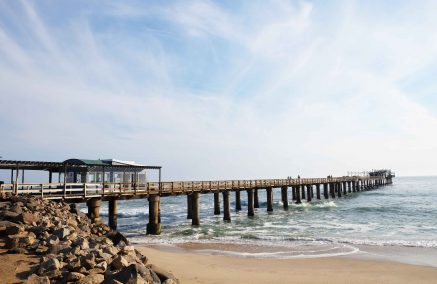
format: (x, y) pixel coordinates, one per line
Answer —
(221, 90)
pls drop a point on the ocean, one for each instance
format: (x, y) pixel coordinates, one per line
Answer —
(398, 221)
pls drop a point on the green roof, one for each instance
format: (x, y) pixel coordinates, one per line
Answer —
(87, 162)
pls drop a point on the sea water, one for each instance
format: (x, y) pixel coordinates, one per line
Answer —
(400, 215)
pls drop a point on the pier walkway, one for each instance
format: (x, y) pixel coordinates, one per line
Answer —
(301, 189)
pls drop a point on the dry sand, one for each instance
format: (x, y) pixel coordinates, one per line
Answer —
(199, 268)
(14, 268)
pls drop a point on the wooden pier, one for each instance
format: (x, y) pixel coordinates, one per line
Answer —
(301, 189)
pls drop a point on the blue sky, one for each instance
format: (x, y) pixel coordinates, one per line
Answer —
(229, 89)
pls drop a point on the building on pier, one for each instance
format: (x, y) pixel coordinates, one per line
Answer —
(82, 170)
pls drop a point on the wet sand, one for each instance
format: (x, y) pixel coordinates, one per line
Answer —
(192, 267)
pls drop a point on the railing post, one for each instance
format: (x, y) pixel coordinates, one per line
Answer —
(84, 190)
(42, 191)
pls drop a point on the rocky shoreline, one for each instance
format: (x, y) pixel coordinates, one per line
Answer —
(72, 249)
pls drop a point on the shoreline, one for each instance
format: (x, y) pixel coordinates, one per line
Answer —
(194, 267)
(400, 254)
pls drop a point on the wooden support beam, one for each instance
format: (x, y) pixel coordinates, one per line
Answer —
(94, 209)
(308, 193)
(326, 190)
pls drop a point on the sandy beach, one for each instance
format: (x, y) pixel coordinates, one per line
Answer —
(199, 268)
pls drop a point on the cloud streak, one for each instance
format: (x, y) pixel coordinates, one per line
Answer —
(219, 90)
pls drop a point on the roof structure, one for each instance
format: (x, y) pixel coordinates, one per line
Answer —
(72, 163)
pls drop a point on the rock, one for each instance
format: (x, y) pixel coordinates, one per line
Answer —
(60, 248)
(134, 274)
(41, 249)
(35, 279)
(52, 240)
(75, 276)
(16, 208)
(119, 262)
(19, 241)
(170, 281)
(17, 250)
(14, 229)
(110, 250)
(62, 233)
(162, 274)
(28, 218)
(37, 230)
(92, 279)
(9, 215)
(82, 243)
(48, 267)
(102, 265)
(88, 261)
(117, 237)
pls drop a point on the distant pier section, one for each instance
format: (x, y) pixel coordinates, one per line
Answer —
(94, 181)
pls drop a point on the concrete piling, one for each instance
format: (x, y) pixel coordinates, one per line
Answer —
(237, 201)
(112, 213)
(216, 203)
(318, 191)
(269, 199)
(189, 206)
(195, 209)
(308, 193)
(154, 227)
(226, 206)
(94, 209)
(255, 198)
(250, 210)
(284, 195)
(297, 190)
(325, 191)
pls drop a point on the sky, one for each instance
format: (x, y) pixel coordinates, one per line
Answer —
(222, 89)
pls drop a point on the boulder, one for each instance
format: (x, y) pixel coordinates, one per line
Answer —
(162, 274)
(28, 218)
(92, 279)
(75, 276)
(19, 241)
(16, 208)
(9, 215)
(62, 233)
(117, 237)
(119, 262)
(88, 261)
(35, 279)
(14, 229)
(135, 274)
(48, 267)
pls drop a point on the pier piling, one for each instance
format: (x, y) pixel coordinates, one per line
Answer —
(250, 210)
(216, 203)
(195, 208)
(297, 190)
(237, 200)
(255, 198)
(189, 206)
(284, 195)
(308, 193)
(226, 206)
(94, 209)
(112, 213)
(269, 199)
(154, 227)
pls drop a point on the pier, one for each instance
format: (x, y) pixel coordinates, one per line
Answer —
(93, 193)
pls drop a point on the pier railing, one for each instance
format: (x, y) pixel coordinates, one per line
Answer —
(100, 189)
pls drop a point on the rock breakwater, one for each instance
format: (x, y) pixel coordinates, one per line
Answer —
(72, 249)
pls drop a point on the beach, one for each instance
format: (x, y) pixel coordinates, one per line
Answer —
(202, 268)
